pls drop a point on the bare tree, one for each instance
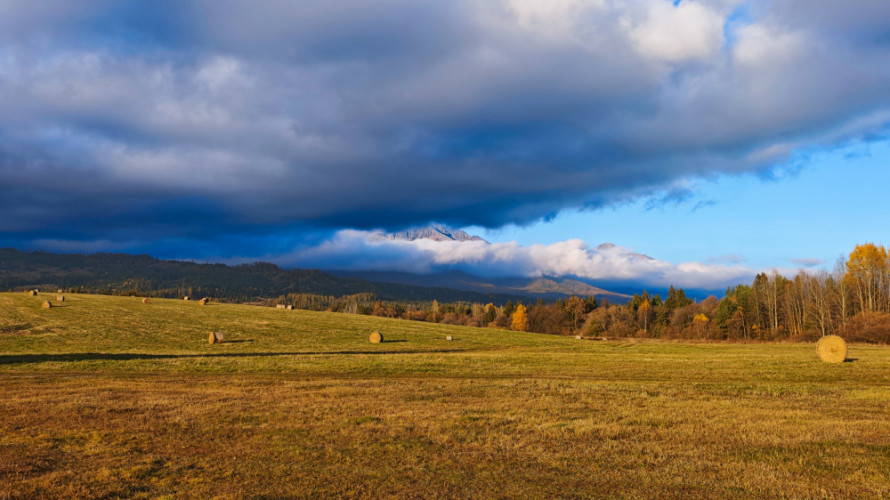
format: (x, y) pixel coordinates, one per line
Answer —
(821, 292)
(841, 293)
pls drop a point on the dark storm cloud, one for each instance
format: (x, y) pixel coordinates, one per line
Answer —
(139, 122)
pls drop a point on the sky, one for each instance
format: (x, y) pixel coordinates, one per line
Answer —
(704, 140)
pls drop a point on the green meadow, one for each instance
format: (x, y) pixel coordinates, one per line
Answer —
(108, 397)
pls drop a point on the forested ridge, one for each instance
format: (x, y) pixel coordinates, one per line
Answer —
(123, 274)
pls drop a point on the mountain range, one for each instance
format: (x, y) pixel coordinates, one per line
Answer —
(546, 287)
(142, 274)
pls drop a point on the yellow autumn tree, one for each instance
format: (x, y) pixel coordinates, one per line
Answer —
(868, 272)
(644, 315)
(700, 325)
(520, 319)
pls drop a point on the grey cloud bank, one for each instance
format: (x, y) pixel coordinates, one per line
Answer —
(133, 122)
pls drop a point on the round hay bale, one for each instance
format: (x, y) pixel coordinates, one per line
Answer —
(60, 298)
(47, 304)
(215, 337)
(203, 302)
(59, 291)
(449, 337)
(185, 298)
(290, 307)
(832, 349)
(32, 292)
(146, 300)
(578, 337)
(376, 338)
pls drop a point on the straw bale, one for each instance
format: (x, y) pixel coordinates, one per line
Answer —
(215, 337)
(203, 301)
(832, 349)
(146, 300)
(290, 307)
(32, 292)
(185, 298)
(376, 338)
(60, 298)
(279, 306)
(47, 304)
(578, 337)
(449, 337)
(59, 291)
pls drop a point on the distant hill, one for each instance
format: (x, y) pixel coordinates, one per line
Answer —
(545, 287)
(142, 274)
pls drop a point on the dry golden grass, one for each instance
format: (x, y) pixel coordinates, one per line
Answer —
(103, 398)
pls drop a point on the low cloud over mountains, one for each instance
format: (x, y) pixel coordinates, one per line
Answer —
(367, 250)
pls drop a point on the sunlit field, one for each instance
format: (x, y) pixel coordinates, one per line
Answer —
(110, 397)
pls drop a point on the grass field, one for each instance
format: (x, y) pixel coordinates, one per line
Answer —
(110, 397)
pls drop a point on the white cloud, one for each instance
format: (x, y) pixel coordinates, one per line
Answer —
(677, 33)
(760, 44)
(556, 20)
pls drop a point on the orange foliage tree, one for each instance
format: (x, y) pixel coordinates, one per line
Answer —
(520, 319)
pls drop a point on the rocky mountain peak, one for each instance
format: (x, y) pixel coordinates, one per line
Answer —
(436, 232)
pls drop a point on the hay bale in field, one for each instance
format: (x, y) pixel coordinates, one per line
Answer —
(185, 298)
(204, 301)
(832, 349)
(449, 337)
(32, 293)
(376, 338)
(47, 304)
(578, 337)
(290, 307)
(146, 300)
(279, 306)
(60, 298)
(59, 291)
(215, 337)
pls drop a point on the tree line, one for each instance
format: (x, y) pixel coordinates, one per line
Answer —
(852, 300)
